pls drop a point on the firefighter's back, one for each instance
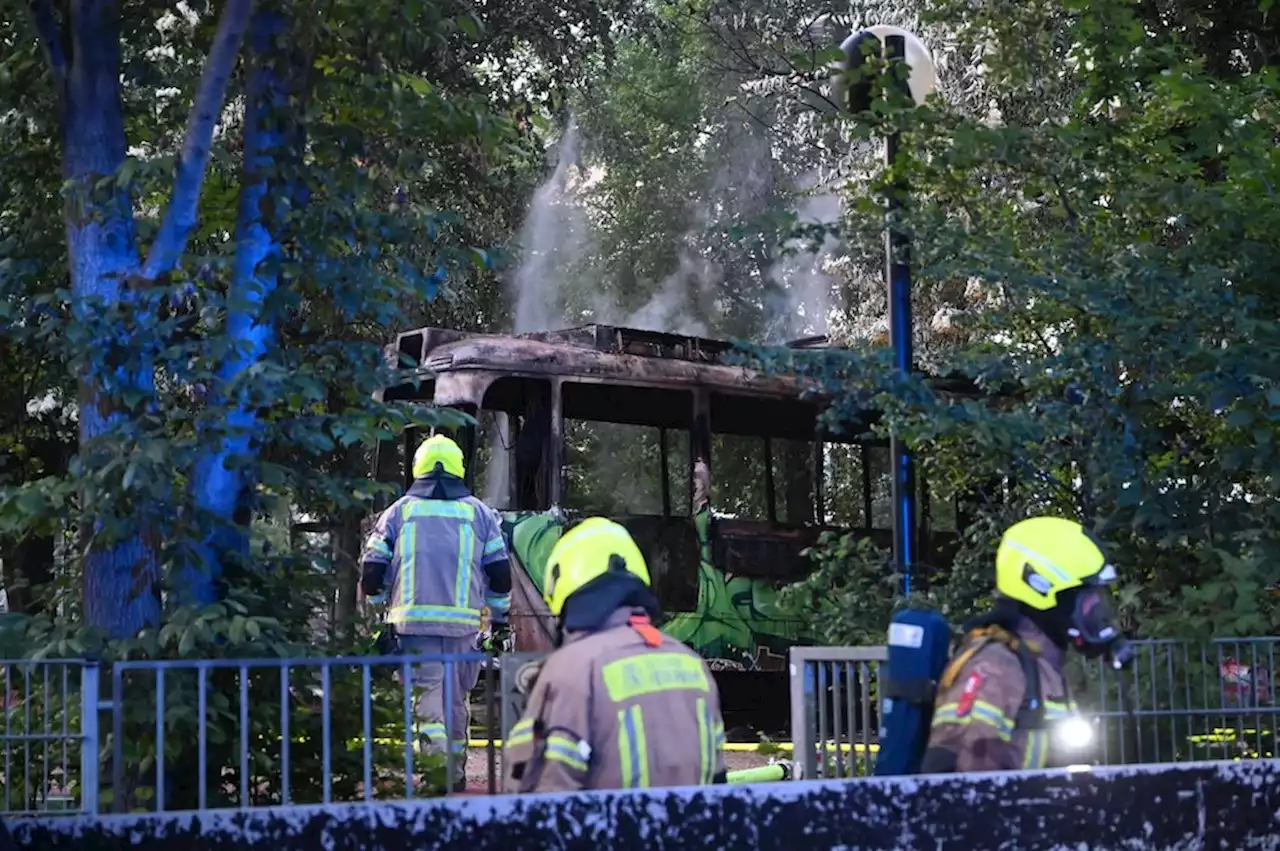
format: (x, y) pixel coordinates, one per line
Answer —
(654, 710)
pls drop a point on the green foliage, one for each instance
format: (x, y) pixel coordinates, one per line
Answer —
(851, 593)
(1118, 260)
(416, 162)
(248, 625)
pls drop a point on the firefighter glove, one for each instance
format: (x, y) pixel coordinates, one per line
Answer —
(497, 639)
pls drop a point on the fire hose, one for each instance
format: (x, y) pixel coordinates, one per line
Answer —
(773, 773)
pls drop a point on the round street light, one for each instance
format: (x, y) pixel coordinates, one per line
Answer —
(922, 77)
(896, 47)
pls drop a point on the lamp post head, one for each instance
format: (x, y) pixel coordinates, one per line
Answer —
(922, 79)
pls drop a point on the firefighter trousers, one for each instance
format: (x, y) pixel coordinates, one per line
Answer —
(429, 678)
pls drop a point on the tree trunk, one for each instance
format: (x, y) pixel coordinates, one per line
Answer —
(121, 579)
(347, 543)
(272, 142)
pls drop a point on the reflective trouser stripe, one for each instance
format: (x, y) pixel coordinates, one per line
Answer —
(632, 750)
(436, 735)
(1037, 755)
(707, 742)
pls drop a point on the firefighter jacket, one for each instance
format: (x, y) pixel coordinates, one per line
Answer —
(998, 702)
(621, 708)
(442, 553)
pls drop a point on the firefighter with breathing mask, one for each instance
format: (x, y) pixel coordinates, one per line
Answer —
(619, 704)
(1002, 702)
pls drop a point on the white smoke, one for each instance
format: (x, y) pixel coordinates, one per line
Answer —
(553, 239)
(673, 307)
(805, 271)
(553, 289)
(681, 301)
(497, 470)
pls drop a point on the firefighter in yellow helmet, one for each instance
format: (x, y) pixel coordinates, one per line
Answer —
(1002, 702)
(618, 704)
(440, 552)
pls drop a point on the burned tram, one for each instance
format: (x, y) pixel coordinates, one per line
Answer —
(722, 474)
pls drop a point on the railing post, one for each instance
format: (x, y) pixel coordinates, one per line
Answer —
(90, 742)
(802, 749)
(491, 729)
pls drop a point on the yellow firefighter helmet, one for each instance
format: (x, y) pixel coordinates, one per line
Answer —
(438, 449)
(591, 549)
(1041, 557)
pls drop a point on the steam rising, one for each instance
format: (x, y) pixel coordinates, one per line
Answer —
(804, 271)
(555, 287)
(672, 309)
(553, 239)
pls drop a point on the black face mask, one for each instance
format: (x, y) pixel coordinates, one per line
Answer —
(1091, 628)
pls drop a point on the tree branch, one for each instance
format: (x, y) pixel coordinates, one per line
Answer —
(50, 33)
(180, 218)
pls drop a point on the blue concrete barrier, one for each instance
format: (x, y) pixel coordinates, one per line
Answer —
(1228, 805)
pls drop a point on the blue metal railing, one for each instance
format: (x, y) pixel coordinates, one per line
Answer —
(244, 733)
(252, 733)
(1177, 701)
(50, 736)
(227, 733)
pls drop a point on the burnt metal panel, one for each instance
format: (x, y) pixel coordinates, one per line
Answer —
(612, 354)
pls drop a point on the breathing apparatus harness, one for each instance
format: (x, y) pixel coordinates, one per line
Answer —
(1000, 627)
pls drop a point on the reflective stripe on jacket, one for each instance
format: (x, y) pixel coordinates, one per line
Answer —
(976, 724)
(437, 551)
(610, 712)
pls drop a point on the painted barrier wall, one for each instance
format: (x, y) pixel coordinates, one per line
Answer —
(1222, 805)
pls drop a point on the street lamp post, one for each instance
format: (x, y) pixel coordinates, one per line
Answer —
(898, 47)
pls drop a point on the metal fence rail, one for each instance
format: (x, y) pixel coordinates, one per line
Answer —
(50, 762)
(247, 733)
(1184, 701)
(1178, 701)
(834, 709)
(208, 734)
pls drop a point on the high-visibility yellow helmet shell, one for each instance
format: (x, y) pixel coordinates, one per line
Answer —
(438, 449)
(1042, 557)
(586, 552)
